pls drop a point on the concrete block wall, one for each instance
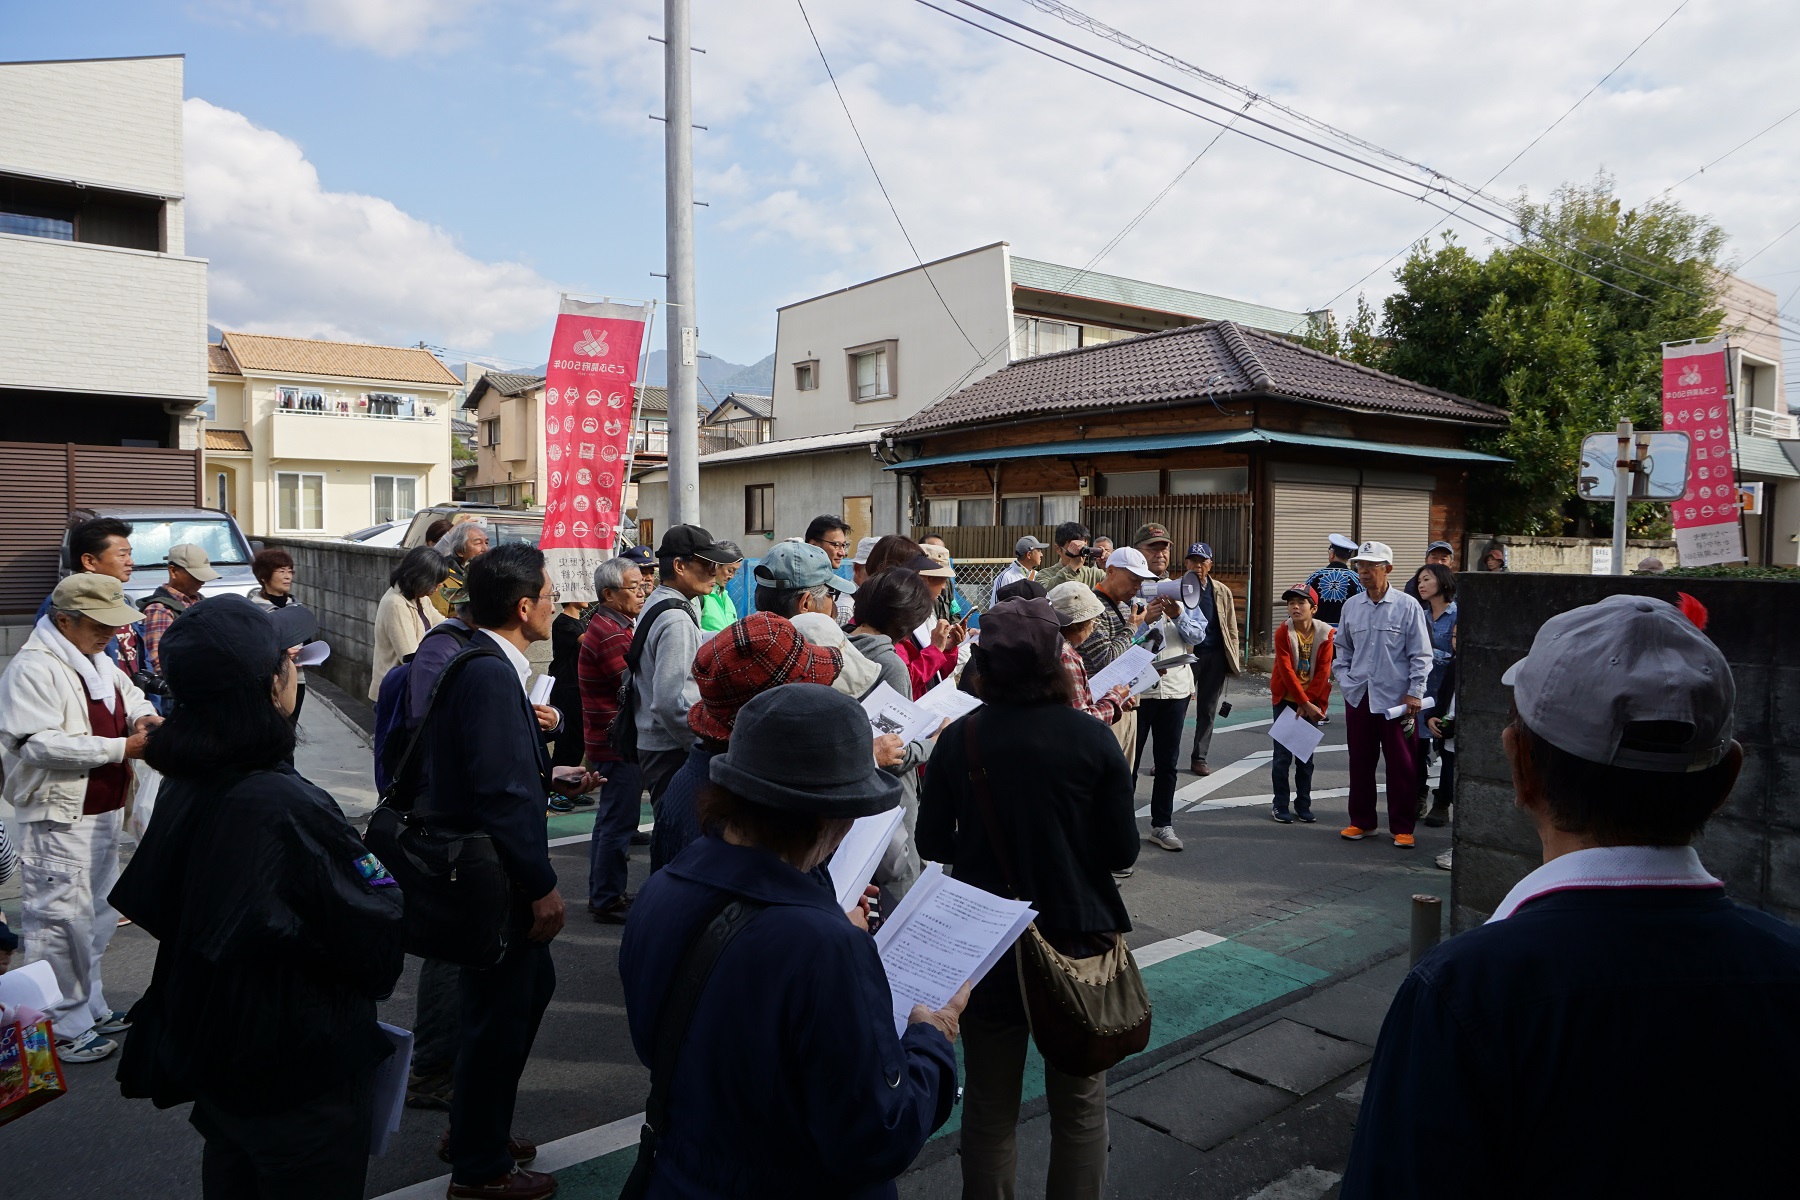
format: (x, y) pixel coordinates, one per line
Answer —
(1753, 844)
(1567, 555)
(342, 583)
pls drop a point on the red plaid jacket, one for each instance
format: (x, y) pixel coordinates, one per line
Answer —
(1106, 708)
(600, 670)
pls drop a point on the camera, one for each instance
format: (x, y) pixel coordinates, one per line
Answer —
(1092, 553)
(1225, 708)
(150, 683)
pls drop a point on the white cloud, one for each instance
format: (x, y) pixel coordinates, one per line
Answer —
(290, 257)
(387, 27)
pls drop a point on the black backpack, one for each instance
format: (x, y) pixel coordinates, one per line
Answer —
(622, 734)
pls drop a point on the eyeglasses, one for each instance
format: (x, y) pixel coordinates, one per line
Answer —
(837, 545)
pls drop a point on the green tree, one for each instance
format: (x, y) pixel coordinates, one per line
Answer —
(1563, 330)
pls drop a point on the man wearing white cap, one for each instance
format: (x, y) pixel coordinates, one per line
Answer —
(1619, 1027)
(1028, 556)
(1126, 573)
(859, 571)
(1335, 581)
(70, 722)
(1383, 659)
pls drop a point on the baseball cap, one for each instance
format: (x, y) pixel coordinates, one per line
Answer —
(1200, 550)
(1444, 546)
(1374, 552)
(799, 565)
(1074, 603)
(1019, 637)
(294, 624)
(1130, 558)
(1151, 532)
(755, 654)
(1027, 544)
(692, 541)
(219, 646)
(941, 556)
(1301, 592)
(98, 596)
(1342, 542)
(640, 555)
(929, 567)
(1021, 589)
(863, 547)
(1596, 671)
(193, 560)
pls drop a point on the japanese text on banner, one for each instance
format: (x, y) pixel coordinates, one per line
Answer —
(1695, 403)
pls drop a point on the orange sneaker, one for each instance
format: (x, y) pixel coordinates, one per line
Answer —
(1353, 834)
(1403, 841)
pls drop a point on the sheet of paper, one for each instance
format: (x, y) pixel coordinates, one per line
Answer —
(390, 1088)
(946, 702)
(1299, 736)
(890, 712)
(541, 687)
(1399, 710)
(32, 986)
(853, 864)
(944, 934)
(312, 654)
(922, 634)
(1126, 669)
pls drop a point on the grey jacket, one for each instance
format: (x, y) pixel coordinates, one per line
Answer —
(665, 676)
(900, 867)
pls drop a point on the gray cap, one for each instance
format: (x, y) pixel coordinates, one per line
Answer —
(1027, 544)
(1595, 671)
(1446, 547)
(1074, 603)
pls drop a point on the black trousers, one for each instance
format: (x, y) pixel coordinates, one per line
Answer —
(437, 1025)
(1162, 720)
(657, 768)
(1209, 686)
(501, 1008)
(316, 1150)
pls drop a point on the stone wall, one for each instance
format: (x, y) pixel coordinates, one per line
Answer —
(1566, 555)
(1754, 842)
(342, 582)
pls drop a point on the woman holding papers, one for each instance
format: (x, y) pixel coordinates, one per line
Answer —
(789, 1079)
(1062, 799)
(1299, 682)
(277, 930)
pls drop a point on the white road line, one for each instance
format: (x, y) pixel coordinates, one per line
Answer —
(1268, 801)
(1198, 790)
(552, 1156)
(1302, 1183)
(577, 838)
(1174, 947)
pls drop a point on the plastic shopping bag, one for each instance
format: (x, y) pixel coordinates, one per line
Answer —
(143, 799)
(30, 1073)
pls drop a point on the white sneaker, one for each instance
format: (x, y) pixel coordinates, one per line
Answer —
(89, 1047)
(1443, 860)
(1164, 836)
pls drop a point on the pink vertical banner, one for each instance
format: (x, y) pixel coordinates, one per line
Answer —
(588, 401)
(1695, 402)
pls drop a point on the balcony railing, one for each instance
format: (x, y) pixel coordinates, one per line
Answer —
(1766, 422)
(355, 406)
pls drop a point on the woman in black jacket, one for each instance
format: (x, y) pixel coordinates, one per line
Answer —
(1062, 798)
(277, 930)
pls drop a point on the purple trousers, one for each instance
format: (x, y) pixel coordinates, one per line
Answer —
(1369, 734)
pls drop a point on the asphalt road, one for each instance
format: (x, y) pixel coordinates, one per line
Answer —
(1238, 868)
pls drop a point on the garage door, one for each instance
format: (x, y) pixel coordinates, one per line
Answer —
(1402, 519)
(1305, 514)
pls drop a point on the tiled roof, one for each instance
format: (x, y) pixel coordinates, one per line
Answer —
(652, 399)
(1217, 358)
(751, 402)
(348, 360)
(218, 360)
(507, 383)
(1134, 293)
(228, 439)
(1765, 457)
(818, 443)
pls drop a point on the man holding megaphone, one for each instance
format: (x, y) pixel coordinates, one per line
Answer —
(1173, 604)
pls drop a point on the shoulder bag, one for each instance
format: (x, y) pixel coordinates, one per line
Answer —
(622, 734)
(1086, 1014)
(672, 1029)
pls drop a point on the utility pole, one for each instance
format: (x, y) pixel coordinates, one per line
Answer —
(683, 357)
(1623, 466)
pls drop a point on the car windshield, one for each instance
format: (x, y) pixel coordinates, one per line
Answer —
(151, 539)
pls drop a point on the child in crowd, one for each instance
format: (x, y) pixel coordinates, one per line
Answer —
(1301, 681)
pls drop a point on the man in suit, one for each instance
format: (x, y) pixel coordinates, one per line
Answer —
(489, 771)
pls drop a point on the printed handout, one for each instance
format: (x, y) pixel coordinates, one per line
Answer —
(944, 934)
(853, 864)
(1129, 668)
(890, 712)
(947, 702)
(1300, 736)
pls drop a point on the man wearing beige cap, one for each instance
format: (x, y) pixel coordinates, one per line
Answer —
(69, 722)
(189, 571)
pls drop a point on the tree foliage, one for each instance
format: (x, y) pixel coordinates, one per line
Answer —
(1563, 330)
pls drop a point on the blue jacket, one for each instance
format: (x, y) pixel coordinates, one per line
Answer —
(1598, 1042)
(791, 1082)
(677, 813)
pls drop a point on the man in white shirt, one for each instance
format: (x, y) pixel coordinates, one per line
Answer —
(1382, 660)
(1028, 556)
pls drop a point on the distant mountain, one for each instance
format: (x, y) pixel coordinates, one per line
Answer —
(717, 374)
(758, 377)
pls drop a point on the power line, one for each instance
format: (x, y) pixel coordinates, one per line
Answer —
(868, 158)
(1715, 162)
(1771, 243)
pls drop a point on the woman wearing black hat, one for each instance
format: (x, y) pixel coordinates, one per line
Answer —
(277, 930)
(788, 1078)
(1066, 830)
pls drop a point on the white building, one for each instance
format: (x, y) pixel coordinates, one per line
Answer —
(1768, 443)
(102, 311)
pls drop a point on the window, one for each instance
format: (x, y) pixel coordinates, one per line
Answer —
(1034, 335)
(1019, 510)
(806, 375)
(940, 512)
(975, 512)
(396, 498)
(150, 541)
(221, 492)
(1057, 509)
(759, 508)
(210, 410)
(490, 432)
(872, 371)
(1131, 483)
(1039, 510)
(32, 221)
(300, 502)
(1210, 481)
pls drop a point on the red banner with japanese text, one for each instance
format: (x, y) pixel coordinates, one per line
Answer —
(1695, 402)
(588, 405)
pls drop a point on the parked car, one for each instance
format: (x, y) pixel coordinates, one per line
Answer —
(156, 528)
(504, 524)
(388, 533)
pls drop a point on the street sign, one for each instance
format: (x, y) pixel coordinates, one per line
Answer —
(1750, 498)
(1659, 472)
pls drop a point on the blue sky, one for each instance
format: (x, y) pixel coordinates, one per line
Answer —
(399, 170)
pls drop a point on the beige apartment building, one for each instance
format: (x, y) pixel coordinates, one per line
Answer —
(319, 439)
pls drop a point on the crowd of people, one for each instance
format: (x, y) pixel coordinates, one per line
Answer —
(757, 1001)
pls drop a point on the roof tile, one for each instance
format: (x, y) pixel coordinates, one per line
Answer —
(219, 361)
(228, 439)
(349, 360)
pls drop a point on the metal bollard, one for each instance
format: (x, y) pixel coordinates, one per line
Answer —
(1427, 924)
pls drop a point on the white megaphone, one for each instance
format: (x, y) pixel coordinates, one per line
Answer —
(1186, 589)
